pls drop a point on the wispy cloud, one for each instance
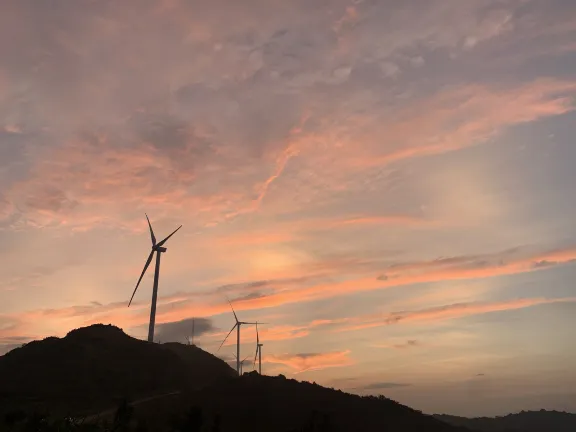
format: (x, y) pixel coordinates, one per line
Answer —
(384, 386)
(446, 312)
(311, 361)
(412, 343)
(276, 293)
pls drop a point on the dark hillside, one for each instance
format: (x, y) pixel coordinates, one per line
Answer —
(275, 404)
(96, 366)
(525, 421)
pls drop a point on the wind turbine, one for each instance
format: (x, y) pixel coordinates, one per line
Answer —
(190, 339)
(159, 249)
(236, 326)
(258, 351)
(241, 363)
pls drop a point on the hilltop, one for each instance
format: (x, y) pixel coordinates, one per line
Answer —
(97, 366)
(525, 421)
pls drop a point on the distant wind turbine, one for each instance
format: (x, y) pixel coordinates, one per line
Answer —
(159, 249)
(258, 351)
(241, 363)
(236, 326)
(190, 339)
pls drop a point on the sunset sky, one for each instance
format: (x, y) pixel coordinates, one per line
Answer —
(388, 184)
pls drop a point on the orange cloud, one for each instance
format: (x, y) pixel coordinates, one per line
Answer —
(298, 289)
(267, 333)
(284, 232)
(400, 346)
(463, 116)
(96, 175)
(253, 239)
(447, 312)
(311, 361)
(459, 268)
(380, 220)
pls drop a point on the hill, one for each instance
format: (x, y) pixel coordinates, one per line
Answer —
(525, 421)
(90, 370)
(98, 365)
(268, 404)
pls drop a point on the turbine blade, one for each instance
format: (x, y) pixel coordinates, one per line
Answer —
(152, 236)
(227, 336)
(142, 275)
(232, 307)
(166, 239)
(257, 336)
(255, 355)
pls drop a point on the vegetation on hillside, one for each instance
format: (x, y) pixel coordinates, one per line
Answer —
(525, 421)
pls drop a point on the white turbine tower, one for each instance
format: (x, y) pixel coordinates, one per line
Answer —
(258, 351)
(241, 363)
(236, 326)
(159, 249)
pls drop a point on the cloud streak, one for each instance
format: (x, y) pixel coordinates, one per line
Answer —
(299, 289)
(305, 362)
(447, 312)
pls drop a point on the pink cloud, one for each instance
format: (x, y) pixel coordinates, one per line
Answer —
(311, 361)
(267, 333)
(462, 116)
(298, 289)
(447, 312)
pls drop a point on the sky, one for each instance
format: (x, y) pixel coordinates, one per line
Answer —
(387, 184)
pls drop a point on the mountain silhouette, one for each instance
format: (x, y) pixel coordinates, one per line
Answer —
(96, 366)
(95, 369)
(262, 403)
(525, 421)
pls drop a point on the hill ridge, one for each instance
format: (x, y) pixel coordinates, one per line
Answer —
(99, 364)
(522, 421)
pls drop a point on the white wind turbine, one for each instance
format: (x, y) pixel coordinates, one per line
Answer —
(159, 249)
(258, 351)
(236, 326)
(241, 363)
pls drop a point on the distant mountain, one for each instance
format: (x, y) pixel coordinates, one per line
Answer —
(96, 366)
(525, 421)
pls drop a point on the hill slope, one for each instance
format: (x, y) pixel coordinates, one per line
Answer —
(275, 404)
(525, 421)
(94, 366)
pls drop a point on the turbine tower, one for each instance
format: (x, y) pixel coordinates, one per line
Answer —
(236, 326)
(241, 363)
(159, 249)
(190, 339)
(258, 351)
